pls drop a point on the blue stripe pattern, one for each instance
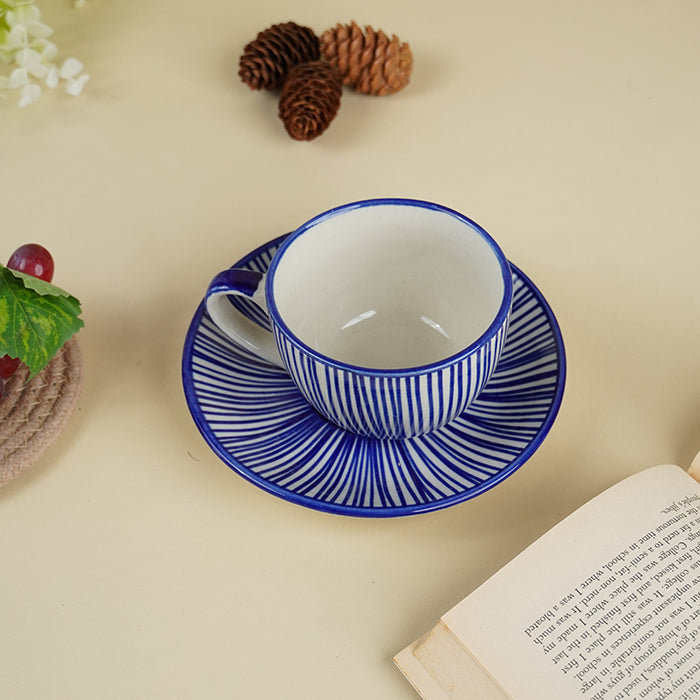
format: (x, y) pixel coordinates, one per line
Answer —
(358, 400)
(258, 423)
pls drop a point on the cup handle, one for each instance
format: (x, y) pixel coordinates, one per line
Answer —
(250, 285)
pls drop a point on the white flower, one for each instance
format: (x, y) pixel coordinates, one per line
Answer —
(19, 78)
(28, 17)
(23, 41)
(72, 72)
(30, 60)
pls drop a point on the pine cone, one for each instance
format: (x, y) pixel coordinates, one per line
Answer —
(369, 61)
(266, 60)
(310, 99)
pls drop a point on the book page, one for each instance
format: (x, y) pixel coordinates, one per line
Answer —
(439, 667)
(694, 470)
(603, 606)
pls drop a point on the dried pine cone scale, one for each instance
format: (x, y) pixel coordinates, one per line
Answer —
(266, 61)
(369, 61)
(310, 99)
(346, 48)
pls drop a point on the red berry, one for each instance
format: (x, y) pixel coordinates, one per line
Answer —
(8, 366)
(32, 259)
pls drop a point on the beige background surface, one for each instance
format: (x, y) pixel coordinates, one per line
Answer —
(135, 564)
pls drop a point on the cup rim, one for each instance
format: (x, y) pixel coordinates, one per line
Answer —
(498, 321)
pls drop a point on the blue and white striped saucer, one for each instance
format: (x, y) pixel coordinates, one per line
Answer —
(253, 417)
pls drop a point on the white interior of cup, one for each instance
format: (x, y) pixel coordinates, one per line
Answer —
(389, 286)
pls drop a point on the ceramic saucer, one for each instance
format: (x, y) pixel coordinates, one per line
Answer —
(252, 416)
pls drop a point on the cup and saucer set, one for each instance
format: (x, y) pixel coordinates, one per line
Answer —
(384, 359)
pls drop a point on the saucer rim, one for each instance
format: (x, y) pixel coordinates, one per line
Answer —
(371, 511)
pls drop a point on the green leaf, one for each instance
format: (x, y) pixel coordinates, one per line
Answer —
(36, 284)
(36, 318)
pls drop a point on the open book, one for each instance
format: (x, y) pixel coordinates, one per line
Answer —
(604, 606)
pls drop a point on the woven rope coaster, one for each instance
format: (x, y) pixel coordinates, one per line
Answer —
(33, 415)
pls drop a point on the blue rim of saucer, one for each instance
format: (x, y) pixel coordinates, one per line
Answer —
(255, 420)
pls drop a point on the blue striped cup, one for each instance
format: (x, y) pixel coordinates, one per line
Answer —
(388, 314)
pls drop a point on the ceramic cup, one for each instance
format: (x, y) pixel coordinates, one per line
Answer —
(388, 314)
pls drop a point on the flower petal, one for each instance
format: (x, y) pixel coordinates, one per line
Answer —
(17, 36)
(71, 68)
(18, 78)
(23, 14)
(30, 60)
(32, 90)
(47, 50)
(30, 93)
(38, 29)
(75, 85)
(52, 77)
(26, 58)
(38, 70)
